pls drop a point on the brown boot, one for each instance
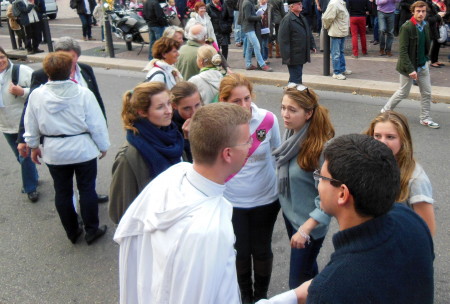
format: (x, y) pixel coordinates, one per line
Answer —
(270, 49)
(277, 50)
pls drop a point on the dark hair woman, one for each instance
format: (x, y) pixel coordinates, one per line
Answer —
(153, 144)
(68, 118)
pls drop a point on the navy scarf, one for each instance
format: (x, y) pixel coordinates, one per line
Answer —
(160, 147)
(179, 121)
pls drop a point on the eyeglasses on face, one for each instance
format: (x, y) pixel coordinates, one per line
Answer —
(248, 142)
(317, 177)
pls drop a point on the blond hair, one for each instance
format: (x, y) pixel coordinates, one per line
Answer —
(208, 56)
(320, 127)
(139, 99)
(213, 128)
(405, 156)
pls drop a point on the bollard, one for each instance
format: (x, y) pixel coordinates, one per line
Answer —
(12, 36)
(47, 34)
(108, 37)
(326, 53)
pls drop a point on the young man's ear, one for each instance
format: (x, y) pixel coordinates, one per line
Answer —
(226, 155)
(344, 195)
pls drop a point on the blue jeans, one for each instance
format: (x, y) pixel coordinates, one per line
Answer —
(303, 263)
(337, 54)
(85, 173)
(374, 21)
(238, 35)
(386, 27)
(86, 21)
(295, 73)
(265, 46)
(29, 173)
(155, 32)
(253, 41)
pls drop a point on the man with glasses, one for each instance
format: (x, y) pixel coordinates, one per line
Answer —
(296, 41)
(383, 251)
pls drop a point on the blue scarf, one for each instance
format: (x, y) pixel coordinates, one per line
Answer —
(160, 147)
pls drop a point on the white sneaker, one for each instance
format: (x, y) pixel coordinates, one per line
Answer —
(429, 123)
(339, 76)
(347, 72)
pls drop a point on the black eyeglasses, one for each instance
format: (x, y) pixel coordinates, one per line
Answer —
(299, 87)
(317, 177)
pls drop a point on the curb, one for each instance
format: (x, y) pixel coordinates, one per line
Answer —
(324, 83)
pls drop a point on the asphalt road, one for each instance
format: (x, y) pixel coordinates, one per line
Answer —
(38, 264)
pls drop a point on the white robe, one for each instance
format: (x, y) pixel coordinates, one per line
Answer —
(176, 242)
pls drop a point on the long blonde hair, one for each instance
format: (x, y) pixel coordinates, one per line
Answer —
(320, 128)
(139, 99)
(405, 156)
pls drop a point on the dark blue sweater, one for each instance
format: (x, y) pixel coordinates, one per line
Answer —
(388, 259)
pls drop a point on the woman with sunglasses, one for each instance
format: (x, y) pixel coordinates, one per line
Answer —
(308, 128)
(253, 192)
(392, 129)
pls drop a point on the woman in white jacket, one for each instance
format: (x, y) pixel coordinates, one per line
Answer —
(208, 80)
(68, 118)
(202, 17)
(12, 98)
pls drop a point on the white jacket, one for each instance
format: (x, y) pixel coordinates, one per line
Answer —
(208, 83)
(11, 107)
(65, 108)
(336, 19)
(168, 77)
(206, 21)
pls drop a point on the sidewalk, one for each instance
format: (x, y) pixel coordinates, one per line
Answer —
(372, 75)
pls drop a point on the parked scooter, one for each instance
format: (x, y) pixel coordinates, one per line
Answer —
(126, 24)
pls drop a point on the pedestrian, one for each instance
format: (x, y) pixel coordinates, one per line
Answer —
(238, 34)
(386, 20)
(308, 128)
(336, 21)
(221, 14)
(265, 10)
(278, 14)
(162, 67)
(156, 21)
(373, 11)
(187, 62)
(12, 98)
(18, 29)
(98, 14)
(174, 32)
(200, 16)
(253, 192)
(29, 19)
(81, 73)
(153, 144)
(186, 100)
(296, 41)
(413, 64)
(358, 184)
(434, 18)
(358, 11)
(392, 129)
(67, 119)
(84, 8)
(249, 21)
(210, 76)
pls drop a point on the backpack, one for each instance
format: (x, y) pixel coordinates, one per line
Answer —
(15, 9)
(148, 79)
(15, 74)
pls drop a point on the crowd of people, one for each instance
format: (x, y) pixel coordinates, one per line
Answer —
(217, 170)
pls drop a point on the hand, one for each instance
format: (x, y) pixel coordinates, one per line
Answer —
(413, 75)
(35, 155)
(23, 149)
(314, 50)
(103, 154)
(298, 241)
(442, 14)
(185, 128)
(302, 292)
(16, 90)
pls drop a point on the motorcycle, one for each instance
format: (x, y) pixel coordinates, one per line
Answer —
(126, 24)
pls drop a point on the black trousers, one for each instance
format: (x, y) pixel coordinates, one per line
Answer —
(434, 51)
(33, 35)
(85, 173)
(253, 228)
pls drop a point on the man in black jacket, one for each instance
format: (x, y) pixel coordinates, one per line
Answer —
(296, 41)
(85, 13)
(31, 22)
(81, 73)
(156, 21)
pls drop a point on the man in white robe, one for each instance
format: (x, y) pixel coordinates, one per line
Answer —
(176, 239)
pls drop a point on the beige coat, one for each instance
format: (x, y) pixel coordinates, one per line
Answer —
(336, 19)
(12, 20)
